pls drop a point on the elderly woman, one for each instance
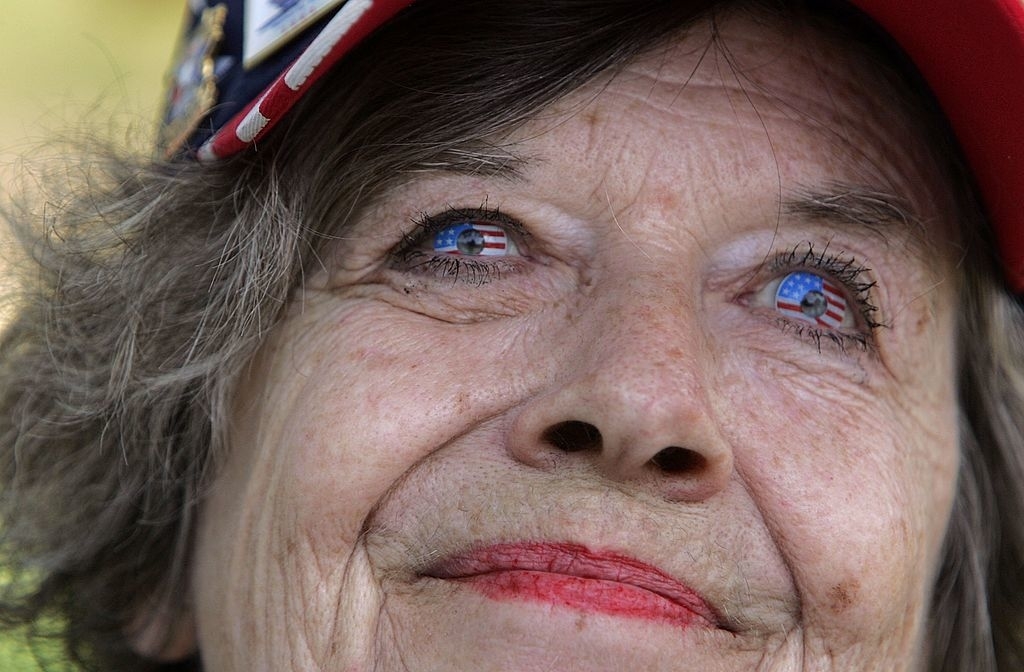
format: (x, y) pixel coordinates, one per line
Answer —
(575, 334)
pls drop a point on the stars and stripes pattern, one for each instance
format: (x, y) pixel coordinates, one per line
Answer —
(795, 299)
(354, 21)
(493, 241)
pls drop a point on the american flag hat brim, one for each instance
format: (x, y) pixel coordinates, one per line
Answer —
(226, 94)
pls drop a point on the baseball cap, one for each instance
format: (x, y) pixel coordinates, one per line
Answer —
(242, 64)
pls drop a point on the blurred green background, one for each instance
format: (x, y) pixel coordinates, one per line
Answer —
(65, 60)
(78, 65)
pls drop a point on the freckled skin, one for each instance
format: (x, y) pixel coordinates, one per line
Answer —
(397, 419)
(843, 595)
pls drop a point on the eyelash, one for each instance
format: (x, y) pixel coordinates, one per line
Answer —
(849, 273)
(474, 271)
(844, 269)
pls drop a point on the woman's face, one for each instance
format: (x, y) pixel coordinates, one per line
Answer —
(684, 400)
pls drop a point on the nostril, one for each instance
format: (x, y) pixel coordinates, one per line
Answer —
(573, 436)
(675, 460)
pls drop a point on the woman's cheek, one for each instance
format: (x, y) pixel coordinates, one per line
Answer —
(835, 468)
(356, 396)
(314, 444)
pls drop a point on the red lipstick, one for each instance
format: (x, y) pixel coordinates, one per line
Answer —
(573, 576)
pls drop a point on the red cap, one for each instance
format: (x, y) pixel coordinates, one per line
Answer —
(970, 53)
(972, 56)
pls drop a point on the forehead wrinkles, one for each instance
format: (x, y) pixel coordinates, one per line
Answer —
(772, 72)
(797, 68)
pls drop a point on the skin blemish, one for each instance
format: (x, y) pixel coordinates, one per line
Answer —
(842, 595)
(668, 200)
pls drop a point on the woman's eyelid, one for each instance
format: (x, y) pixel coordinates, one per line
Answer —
(841, 266)
(428, 224)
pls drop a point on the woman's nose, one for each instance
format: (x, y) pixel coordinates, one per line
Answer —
(635, 408)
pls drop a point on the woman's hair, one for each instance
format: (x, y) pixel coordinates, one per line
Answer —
(146, 292)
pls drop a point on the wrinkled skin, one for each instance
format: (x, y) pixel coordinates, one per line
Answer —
(401, 415)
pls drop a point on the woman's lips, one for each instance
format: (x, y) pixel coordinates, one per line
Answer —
(573, 576)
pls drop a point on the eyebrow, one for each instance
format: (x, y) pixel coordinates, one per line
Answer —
(861, 206)
(476, 160)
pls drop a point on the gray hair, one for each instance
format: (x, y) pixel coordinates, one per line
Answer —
(153, 284)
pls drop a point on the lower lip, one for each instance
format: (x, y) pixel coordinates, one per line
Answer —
(569, 575)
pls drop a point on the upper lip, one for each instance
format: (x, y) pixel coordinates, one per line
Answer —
(572, 559)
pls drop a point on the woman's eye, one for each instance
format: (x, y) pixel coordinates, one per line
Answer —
(811, 298)
(472, 239)
(819, 296)
(475, 245)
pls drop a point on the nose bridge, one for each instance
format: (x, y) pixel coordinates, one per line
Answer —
(649, 353)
